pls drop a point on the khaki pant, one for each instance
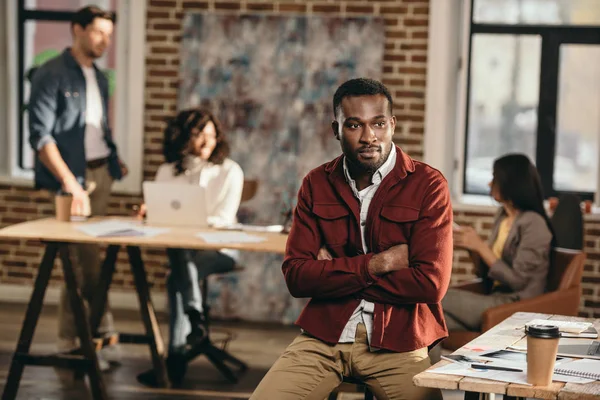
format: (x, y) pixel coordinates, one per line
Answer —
(310, 369)
(463, 310)
(86, 260)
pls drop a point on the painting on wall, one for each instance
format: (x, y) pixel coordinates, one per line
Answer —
(271, 80)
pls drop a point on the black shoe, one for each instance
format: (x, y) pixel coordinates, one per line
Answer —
(199, 330)
(148, 378)
(176, 370)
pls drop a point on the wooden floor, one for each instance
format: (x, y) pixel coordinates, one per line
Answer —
(258, 345)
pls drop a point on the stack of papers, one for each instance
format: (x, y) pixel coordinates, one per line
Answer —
(116, 228)
(569, 329)
(229, 237)
(563, 326)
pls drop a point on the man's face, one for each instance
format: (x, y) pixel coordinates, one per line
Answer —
(94, 39)
(365, 128)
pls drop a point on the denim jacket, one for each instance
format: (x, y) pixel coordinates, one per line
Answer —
(57, 115)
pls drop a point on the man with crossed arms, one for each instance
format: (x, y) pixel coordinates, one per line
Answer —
(371, 245)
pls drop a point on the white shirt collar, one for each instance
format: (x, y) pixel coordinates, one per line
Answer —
(381, 172)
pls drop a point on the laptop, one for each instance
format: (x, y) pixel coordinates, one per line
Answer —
(175, 204)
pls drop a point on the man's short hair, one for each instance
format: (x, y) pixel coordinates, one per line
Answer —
(360, 87)
(87, 15)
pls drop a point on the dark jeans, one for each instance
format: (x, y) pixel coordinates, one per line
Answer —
(188, 267)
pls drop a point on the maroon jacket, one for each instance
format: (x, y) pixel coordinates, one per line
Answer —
(412, 206)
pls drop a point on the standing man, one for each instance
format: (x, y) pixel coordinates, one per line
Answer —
(371, 245)
(69, 130)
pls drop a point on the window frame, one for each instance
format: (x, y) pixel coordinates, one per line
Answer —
(449, 123)
(129, 104)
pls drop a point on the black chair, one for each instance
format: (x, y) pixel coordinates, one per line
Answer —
(360, 387)
(567, 221)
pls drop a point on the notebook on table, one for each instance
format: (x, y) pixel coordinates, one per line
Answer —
(584, 368)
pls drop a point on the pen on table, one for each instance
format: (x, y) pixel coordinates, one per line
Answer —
(495, 367)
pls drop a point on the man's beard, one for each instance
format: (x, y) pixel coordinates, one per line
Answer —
(370, 167)
(92, 54)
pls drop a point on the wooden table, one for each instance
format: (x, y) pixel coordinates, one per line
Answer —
(509, 332)
(56, 236)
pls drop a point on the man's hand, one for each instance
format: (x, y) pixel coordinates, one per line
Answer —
(324, 254)
(393, 259)
(124, 169)
(80, 206)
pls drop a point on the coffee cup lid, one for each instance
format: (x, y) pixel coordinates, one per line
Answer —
(543, 331)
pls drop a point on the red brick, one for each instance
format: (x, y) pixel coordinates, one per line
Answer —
(363, 9)
(227, 6)
(165, 50)
(396, 34)
(421, 10)
(156, 38)
(390, 21)
(19, 264)
(412, 70)
(201, 5)
(419, 35)
(157, 14)
(163, 3)
(394, 57)
(297, 8)
(260, 6)
(326, 8)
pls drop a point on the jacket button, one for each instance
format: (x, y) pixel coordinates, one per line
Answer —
(363, 223)
(75, 94)
(67, 94)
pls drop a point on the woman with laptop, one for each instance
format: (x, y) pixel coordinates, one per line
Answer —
(514, 262)
(196, 153)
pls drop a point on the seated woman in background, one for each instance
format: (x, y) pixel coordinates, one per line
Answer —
(196, 153)
(514, 262)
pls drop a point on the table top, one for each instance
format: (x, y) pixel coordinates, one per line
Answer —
(51, 230)
(508, 333)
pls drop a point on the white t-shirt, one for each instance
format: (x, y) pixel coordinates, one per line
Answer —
(95, 145)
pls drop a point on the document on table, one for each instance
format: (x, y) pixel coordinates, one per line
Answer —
(502, 376)
(117, 228)
(229, 237)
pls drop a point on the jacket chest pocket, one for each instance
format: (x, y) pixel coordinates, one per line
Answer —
(333, 220)
(396, 223)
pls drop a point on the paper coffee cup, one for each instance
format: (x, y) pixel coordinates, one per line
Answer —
(63, 207)
(542, 346)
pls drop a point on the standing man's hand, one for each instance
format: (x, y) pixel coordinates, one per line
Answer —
(124, 169)
(393, 259)
(80, 205)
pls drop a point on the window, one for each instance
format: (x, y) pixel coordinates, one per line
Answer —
(43, 31)
(533, 86)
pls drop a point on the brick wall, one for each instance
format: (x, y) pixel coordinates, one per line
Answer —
(403, 72)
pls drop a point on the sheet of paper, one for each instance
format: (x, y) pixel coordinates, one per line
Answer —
(229, 237)
(115, 227)
(502, 376)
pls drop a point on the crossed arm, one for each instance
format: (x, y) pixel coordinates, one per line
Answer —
(415, 272)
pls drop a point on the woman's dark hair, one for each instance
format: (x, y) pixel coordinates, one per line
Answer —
(518, 182)
(179, 132)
